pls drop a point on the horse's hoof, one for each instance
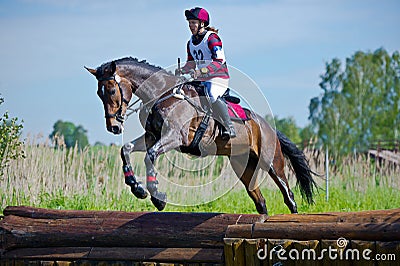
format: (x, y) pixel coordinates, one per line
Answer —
(138, 191)
(136, 187)
(262, 209)
(159, 200)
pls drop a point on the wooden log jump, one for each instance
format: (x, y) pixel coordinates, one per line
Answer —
(28, 233)
(32, 233)
(380, 225)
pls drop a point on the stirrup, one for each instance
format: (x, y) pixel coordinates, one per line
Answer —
(228, 134)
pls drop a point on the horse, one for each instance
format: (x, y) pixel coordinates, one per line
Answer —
(171, 119)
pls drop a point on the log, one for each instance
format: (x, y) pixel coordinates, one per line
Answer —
(28, 233)
(316, 231)
(41, 213)
(376, 216)
(100, 229)
(176, 255)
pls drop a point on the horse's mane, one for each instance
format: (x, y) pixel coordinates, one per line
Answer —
(135, 61)
(129, 61)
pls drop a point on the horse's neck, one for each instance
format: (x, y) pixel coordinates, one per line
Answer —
(152, 85)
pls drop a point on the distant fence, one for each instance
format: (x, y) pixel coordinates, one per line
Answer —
(391, 145)
(387, 150)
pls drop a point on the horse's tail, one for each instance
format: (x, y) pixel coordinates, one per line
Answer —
(300, 167)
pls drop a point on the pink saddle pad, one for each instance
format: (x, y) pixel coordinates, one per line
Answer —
(237, 111)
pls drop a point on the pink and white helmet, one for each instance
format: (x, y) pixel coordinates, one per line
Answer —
(198, 13)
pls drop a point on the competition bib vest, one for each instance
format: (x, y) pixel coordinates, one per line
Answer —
(201, 53)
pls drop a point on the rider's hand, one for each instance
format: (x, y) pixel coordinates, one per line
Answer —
(195, 73)
(178, 72)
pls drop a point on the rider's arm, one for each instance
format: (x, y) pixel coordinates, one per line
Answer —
(217, 67)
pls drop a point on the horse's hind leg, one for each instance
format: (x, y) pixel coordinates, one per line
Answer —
(246, 172)
(276, 171)
(130, 179)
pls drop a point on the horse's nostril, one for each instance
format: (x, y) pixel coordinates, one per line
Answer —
(115, 129)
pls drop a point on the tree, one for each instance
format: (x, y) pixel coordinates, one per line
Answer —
(287, 126)
(10, 143)
(80, 137)
(72, 135)
(307, 135)
(359, 103)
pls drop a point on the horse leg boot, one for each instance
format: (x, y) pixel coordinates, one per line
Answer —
(221, 111)
(159, 199)
(130, 178)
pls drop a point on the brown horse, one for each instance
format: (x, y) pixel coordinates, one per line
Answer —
(172, 112)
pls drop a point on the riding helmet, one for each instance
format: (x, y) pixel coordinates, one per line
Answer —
(198, 13)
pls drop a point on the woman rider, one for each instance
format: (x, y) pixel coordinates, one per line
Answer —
(206, 61)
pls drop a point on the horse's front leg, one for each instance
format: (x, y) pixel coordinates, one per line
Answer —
(166, 143)
(130, 179)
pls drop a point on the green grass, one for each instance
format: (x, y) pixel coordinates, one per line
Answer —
(235, 201)
(93, 180)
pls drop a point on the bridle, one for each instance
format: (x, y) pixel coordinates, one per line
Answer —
(176, 92)
(118, 114)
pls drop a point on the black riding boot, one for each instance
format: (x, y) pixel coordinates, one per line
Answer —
(221, 111)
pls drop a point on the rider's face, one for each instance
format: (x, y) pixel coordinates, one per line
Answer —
(194, 25)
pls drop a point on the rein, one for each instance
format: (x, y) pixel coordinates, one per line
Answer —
(176, 92)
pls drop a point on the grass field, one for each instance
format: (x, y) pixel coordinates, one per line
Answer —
(92, 180)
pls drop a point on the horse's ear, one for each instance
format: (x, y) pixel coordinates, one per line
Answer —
(113, 67)
(92, 71)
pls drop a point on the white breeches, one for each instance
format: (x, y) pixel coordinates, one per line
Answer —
(216, 87)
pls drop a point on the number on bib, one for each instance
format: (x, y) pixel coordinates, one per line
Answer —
(198, 54)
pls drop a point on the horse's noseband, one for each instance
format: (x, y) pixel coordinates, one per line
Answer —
(117, 115)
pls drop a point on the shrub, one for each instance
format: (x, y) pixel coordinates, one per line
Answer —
(10, 143)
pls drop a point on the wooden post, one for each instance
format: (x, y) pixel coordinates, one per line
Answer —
(327, 173)
(360, 246)
(251, 247)
(234, 252)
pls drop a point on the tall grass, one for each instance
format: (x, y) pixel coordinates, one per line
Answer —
(92, 179)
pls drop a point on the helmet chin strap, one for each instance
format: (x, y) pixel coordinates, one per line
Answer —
(198, 30)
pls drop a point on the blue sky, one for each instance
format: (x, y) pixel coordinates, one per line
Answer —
(282, 45)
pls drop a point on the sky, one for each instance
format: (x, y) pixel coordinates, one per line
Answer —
(281, 45)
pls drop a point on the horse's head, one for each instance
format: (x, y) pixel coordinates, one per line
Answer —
(115, 92)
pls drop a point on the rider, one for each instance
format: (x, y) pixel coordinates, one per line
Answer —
(204, 51)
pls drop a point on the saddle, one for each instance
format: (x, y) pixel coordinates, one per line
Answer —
(235, 110)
